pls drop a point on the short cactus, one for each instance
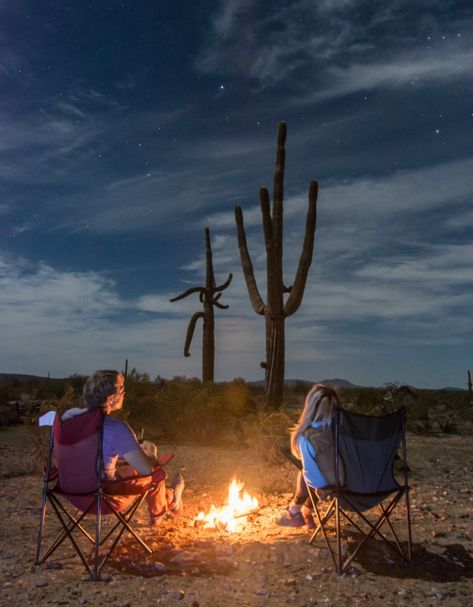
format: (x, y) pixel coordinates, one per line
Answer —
(209, 296)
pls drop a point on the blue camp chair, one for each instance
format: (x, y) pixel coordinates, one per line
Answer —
(365, 450)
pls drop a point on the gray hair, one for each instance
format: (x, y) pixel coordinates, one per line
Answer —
(98, 387)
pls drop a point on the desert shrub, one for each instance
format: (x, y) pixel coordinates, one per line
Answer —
(188, 410)
(266, 434)
(8, 416)
(448, 425)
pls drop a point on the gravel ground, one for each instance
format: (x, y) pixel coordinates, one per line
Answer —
(262, 564)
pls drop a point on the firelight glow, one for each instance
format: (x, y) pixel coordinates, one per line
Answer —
(231, 516)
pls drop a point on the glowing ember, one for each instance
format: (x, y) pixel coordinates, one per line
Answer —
(233, 514)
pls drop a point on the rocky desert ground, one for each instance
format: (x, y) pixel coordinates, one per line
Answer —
(262, 564)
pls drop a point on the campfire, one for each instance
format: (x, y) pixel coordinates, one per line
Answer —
(235, 512)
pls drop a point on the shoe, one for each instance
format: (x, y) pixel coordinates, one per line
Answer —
(177, 485)
(288, 519)
(309, 521)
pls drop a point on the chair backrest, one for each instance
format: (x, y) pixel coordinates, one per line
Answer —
(77, 450)
(368, 446)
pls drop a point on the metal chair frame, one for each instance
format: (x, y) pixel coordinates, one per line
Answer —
(71, 522)
(339, 498)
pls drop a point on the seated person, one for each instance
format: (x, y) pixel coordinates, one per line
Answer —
(312, 444)
(106, 389)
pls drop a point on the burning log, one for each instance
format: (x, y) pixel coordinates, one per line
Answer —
(233, 514)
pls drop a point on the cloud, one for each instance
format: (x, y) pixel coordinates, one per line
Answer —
(335, 44)
(418, 68)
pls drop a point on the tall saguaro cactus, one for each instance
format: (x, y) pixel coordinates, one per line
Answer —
(208, 296)
(277, 308)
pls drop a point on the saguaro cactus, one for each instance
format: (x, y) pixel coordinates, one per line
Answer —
(277, 309)
(209, 296)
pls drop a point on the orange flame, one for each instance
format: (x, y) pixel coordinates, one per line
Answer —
(231, 516)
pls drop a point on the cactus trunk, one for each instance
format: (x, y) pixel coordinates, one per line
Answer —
(208, 343)
(275, 357)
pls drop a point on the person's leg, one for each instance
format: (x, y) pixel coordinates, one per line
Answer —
(177, 485)
(299, 512)
(159, 497)
(293, 516)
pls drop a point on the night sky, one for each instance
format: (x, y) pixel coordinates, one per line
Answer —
(126, 128)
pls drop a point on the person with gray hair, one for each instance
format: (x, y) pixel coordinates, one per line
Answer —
(106, 389)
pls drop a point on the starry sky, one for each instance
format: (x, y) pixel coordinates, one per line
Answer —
(126, 128)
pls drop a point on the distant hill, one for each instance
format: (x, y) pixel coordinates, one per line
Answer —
(292, 383)
(23, 378)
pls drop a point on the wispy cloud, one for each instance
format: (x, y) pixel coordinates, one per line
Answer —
(412, 69)
(335, 44)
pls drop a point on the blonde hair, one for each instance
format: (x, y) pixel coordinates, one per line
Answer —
(319, 406)
(98, 387)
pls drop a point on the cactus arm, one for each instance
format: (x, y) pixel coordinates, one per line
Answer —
(247, 266)
(294, 300)
(188, 292)
(214, 301)
(225, 284)
(190, 331)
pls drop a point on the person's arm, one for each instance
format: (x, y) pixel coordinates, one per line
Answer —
(138, 460)
(310, 469)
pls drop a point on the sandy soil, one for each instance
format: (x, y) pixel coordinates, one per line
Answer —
(263, 564)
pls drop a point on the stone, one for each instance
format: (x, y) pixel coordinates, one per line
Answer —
(178, 595)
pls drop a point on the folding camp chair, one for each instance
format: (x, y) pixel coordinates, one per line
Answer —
(366, 447)
(77, 479)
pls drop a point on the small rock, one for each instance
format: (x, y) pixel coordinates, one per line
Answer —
(54, 566)
(403, 593)
(178, 595)
(262, 592)
(7, 555)
(290, 581)
(160, 567)
(41, 583)
(82, 600)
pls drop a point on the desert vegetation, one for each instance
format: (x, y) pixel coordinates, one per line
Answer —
(188, 411)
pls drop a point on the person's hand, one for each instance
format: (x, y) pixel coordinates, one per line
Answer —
(158, 474)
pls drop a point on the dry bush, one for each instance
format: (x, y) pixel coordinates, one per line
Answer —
(265, 434)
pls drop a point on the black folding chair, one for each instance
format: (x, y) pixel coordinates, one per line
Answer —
(366, 447)
(77, 480)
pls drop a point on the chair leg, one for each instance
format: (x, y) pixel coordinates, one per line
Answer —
(41, 527)
(98, 526)
(409, 528)
(339, 536)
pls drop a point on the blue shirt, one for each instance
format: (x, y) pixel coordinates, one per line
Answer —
(310, 469)
(118, 439)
